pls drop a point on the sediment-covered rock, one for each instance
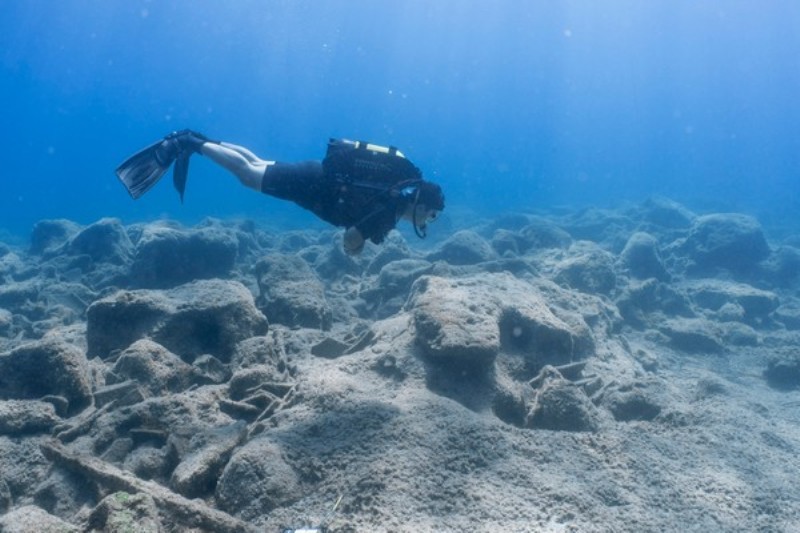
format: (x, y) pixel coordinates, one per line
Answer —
(29, 518)
(730, 241)
(466, 321)
(105, 241)
(256, 480)
(290, 292)
(641, 257)
(166, 257)
(207, 316)
(157, 369)
(464, 247)
(47, 367)
(587, 268)
(20, 417)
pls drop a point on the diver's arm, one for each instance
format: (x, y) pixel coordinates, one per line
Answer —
(239, 161)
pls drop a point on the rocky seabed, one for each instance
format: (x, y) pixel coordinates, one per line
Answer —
(634, 369)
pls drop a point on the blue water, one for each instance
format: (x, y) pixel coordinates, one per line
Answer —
(508, 104)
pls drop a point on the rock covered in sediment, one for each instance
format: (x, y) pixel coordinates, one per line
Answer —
(464, 247)
(729, 241)
(465, 322)
(29, 518)
(642, 258)
(256, 480)
(153, 366)
(290, 292)
(122, 512)
(46, 367)
(587, 268)
(24, 417)
(560, 405)
(755, 305)
(50, 235)
(166, 257)
(197, 473)
(105, 241)
(206, 316)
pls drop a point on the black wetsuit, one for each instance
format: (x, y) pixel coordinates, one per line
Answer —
(373, 209)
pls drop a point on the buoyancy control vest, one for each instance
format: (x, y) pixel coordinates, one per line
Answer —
(367, 165)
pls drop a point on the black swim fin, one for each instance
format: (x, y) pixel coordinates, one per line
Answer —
(141, 171)
(180, 172)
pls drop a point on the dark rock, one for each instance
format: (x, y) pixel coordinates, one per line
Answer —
(782, 268)
(589, 269)
(642, 258)
(105, 241)
(290, 292)
(121, 512)
(257, 351)
(636, 401)
(256, 480)
(649, 301)
(599, 225)
(29, 518)
(124, 393)
(197, 473)
(665, 213)
(542, 234)
(463, 248)
(21, 417)
(208, 369)
(166, 257)
(208, 316)
(506, 242)
(5, 497)
(47, 367)
(730, 241)
(50, 235)
(783, 371)
(693, 335)
(394, 249)
(6, 322)
(329, 348)
(154, 367)
(245, 381)
(560, 405)
(756, 304)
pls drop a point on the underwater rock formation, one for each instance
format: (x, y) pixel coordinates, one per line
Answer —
(531, 370)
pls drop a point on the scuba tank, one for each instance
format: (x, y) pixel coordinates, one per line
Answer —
(362, 164)
(380, 170)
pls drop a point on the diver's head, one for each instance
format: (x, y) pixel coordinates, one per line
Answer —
(425, 203)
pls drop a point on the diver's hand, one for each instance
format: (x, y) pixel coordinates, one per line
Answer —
(353, 241)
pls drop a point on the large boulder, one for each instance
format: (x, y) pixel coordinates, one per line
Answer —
(755, 304)
(731, 241)
(156, 368)
(641, 257)
(104, 241)
(466, 322)
(291, 293)
(30, 518)
(588, 268)
(256, 480)
(203, 317)
(463, 248)
(167, 256)
(46, 367)
(49, 236)
(26, 416)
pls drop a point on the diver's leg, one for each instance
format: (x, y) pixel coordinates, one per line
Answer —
(247, 154)
(238, 161)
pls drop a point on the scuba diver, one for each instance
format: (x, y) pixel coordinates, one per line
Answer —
(365, 188)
